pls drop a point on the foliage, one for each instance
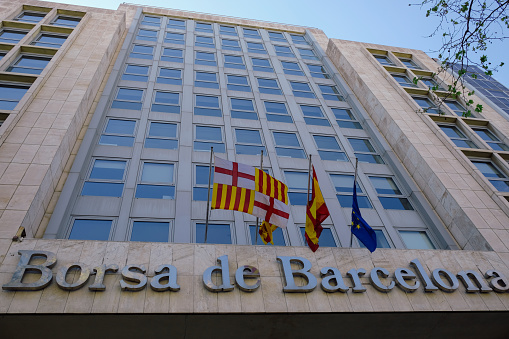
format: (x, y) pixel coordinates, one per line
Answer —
(467, 29)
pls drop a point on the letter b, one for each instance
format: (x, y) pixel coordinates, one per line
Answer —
(23, 266)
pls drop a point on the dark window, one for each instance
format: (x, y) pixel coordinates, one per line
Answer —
(32, 17)
(11, 36)
(216, 233)
(11, 94)
(90, 229)
(31, 64)
(150, 231)
(49, 40)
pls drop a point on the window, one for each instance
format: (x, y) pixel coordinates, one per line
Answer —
(326, 237)
(232, 45)
(291, 68)
(268, 86)
(28, 16)
(313, 115)
(416, 240)
(277, 236)
(150, 231)
(299, 39)
(207, 137)
(389, 194)
(262, 65)
(243, 109)
(384, 60)
(105, 179)
(237, 83)
(403, 80)
(170, 76)
(156, 181)
(201, 181)
(118, 133)
(2, 54)
(456, 136)
(204, 41)
(146, 34)
(151, 20)
(307, 54)
(176, 24)
(297, 183)
(456, 107)
(216, 233)
(284, 51)
(136, 73)
(11, 94)
(276, 111)
(255, 47)
(11, 36)
(318, 71)
(31, 64)
(251, 33)
(328, 148)
(128, 98)
(205, 79)
(345, 118)
(495, 176)
(234, 61)
(364, 151)
(288, 145)
(162, 135)
(343, 184)
(49, 40)
(381, 240)
(166, 102)
(66, 21)
(427, 105)
(432, 84)
(227, 30)
(204, 58)
(490, 138)
(207, 105)
(90, 229)
(409, 63)
(330, 93)
(172, 55)
(248, 141)
(204, 27)
(142, 52)
(174, 38)
(276, 36)
(301, 89)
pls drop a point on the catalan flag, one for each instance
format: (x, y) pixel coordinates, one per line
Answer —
(226, 197)
(360, 227)
(316, 213)
(265, 232)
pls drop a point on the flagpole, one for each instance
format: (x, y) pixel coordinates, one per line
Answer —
(309, 179)
(208, 196)
(354, 181)
(257, 221)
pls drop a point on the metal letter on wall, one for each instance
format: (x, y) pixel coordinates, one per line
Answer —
(356, 280)
(479, 286)
(374, 278)
(139, 279)
(451, 278)
(82, 280)
(499, 283)
(247, 272)
(226, 286)
(290, 274)
(421, 272)
(331, 273)
(23, 266)
(402, 275)
(171, 285)
(100, 272)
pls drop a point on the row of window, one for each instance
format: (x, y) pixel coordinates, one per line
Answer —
(386, 61)
(35, 17)
(222, 233)
(43, 39)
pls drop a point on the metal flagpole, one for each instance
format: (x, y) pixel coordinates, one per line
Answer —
(257, 221)
(354, 181)
(309, 178)
(208, 196)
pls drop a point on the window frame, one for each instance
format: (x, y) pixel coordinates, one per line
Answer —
(140, 102)
(154, 102)
(209, 141)
(253, 50)
(173, 49)
(385, 57)
(139, 179)
(295, 191)
(323, 73)
(173, 41)
(102, 180)
(236, 86)
(272, 36)
(311, 119)
(135, 75)
(339, 150)
(140, 37)
(401, 195)
(204, 186)
(133, 54)
(148, 136)
(131, 227)
(269, 114)
(300, 147)
(504, 147)
(361, 191)
(170, 26)
(67, 17)
(205, 62)
(215, 222)
(203, 44)
(250, 36)
(197, 82)
(309, 56)
(213, 108)
(248, 144)
(105, 133)
(203, 30)
(253, 112)
(460, 132)
(32, 12)
(51, 34)
(258, 68)
(178, 80)
(84, 217)
(223, 32)
(224, 47)
(292, 71)
(331, 97)
(267, 90)
(13, 30)
(302, 93)
(353, 119)
(149, 23)
(374, 153)
(29, 55)
(501, 169)
(233, 65)
(406, 82)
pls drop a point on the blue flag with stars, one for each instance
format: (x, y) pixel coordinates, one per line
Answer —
(360, 227)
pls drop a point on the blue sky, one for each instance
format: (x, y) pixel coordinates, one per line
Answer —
(391, 23)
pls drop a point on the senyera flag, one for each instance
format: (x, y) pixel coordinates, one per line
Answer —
(316, 213)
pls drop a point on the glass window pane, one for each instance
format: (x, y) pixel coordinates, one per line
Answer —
(361, 145)
(88, 229)
(248, 136)
(381, 241)
(115, 140)
(290, 152)
(296, 180)
(326, 238)
(343, 183)
(208, 133)
(275, 107)
(154, 172)
(102, 189)
(395, 203)
(202, 175)
(286, 139)
(385, 185)
(249, 149)
(488, 169)
(159, 129)
(108, 169)
(311, 111)
(346, 201)
(161, 143)
(416, 240)
(326, 142)
(332, 156)
(116, 126)
(369, 158)
(150, 231)
(155, 191)
(216, 234)
(297, 198)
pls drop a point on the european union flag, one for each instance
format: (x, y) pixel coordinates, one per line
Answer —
(360, 227)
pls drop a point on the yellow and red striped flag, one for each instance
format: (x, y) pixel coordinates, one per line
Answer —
(265, 232)
(316, 213)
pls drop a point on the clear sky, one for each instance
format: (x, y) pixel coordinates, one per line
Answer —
(392, 23)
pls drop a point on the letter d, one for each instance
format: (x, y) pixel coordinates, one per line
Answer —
(23, 266)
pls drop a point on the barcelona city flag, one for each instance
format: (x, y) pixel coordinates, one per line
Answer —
(316, 213)
(265, 232)
(360, 227)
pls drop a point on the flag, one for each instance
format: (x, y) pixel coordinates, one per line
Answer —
(316, 213)
(245, 176)
(265, 232)
(360, 227)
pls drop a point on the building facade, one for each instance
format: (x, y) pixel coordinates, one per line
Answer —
(108, 120)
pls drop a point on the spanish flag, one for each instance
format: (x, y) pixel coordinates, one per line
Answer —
(265, 232)
(316, 213)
